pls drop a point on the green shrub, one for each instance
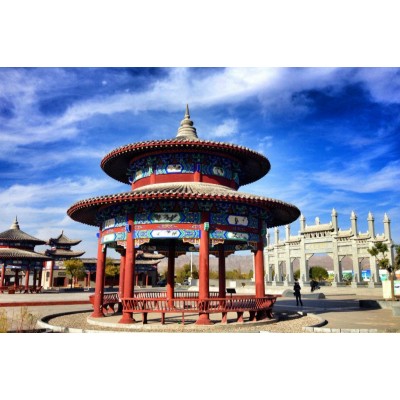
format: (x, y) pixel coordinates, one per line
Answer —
(318, 273)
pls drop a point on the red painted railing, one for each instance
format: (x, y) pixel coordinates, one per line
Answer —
(209, 305)
(258, 307)
(21, 289)
(189, 302)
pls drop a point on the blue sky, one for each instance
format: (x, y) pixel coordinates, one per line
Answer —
(331, 135)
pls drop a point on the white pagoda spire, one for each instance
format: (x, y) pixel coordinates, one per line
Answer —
(187, 130)
(15, 224)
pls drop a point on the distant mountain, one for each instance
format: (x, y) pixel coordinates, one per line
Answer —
(245, 263)
(242, 263)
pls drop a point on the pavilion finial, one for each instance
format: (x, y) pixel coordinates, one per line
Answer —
(15, 224)
(187, 130)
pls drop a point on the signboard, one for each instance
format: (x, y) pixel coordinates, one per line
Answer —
(366, 274)
(383, 275)
(113, 237)
(397, 288)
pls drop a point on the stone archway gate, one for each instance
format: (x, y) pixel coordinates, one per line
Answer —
(325, 238)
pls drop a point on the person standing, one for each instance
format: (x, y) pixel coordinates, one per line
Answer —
(297, 293)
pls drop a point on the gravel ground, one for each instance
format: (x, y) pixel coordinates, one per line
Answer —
(282, 323)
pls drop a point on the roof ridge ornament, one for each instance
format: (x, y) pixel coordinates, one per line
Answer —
(186, 129)
(15, 224)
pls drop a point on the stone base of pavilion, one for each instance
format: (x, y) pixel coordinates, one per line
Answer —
(176, 322)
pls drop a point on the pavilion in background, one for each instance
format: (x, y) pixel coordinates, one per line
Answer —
(17, 254)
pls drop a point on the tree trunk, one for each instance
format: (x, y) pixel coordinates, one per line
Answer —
(391, 277)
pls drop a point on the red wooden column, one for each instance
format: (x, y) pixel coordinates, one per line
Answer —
(259, 277)
(51, 273)
(259, 269)
(16, 279)
(87, 282)
(171, 270)
(3, 273)
(27, 280)
(221, 271)
(259, 274)
(122, 274)
(222, 279)
(204, 273)
(153, 175)
(197, 173)
(127, 317)
(99, 286)
(34, 278)
(40, 276)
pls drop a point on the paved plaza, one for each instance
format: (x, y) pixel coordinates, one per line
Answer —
(340, 310)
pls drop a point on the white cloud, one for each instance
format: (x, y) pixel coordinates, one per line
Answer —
(180, 86)
(42, 208)
(228, 128)
(37, 161)
(361, 181)
(382, 83)
(45, 206)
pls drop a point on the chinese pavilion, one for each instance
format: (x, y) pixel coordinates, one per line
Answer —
(146, 271)
(17, 253)
(60, 250)
(184, 197)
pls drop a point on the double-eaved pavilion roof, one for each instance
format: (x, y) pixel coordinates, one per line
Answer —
(144, 258)
(60, 247)
(253, 166)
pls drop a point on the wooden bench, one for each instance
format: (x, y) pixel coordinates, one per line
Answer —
(20, 289)
(35, 289)
(12, 289)
(110, 300)
(188, 302)
(258, 308)
(3, 289)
